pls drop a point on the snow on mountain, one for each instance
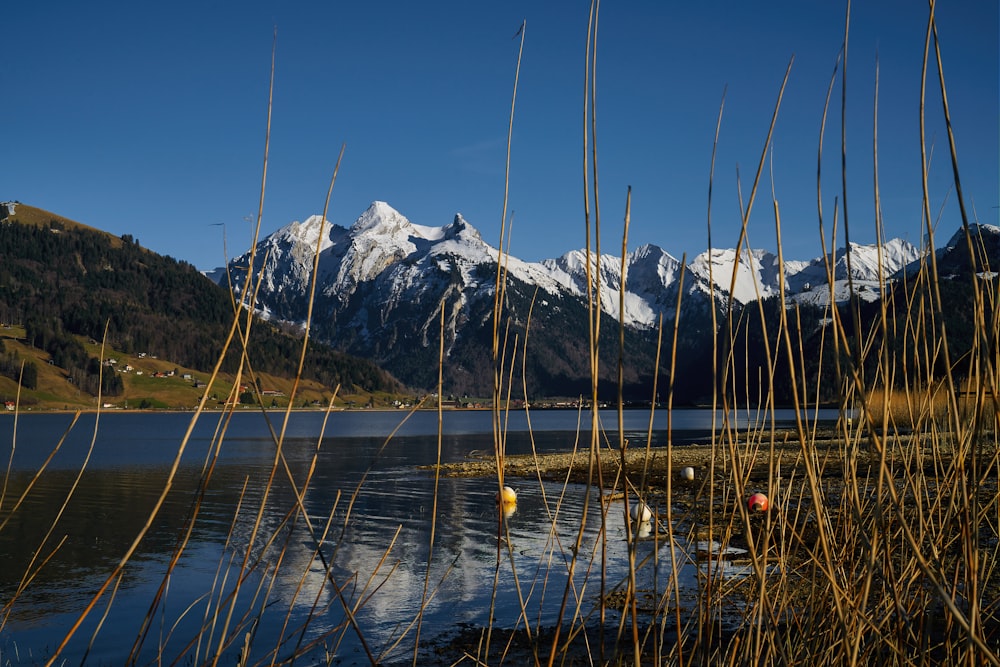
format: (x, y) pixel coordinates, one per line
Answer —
(871, 268)
(379, 238)
(757, 272)
(649, 273)
(651, 278)
(382, 250)
(387, 256)
(975, 230)
(953, 258)
(287, 255)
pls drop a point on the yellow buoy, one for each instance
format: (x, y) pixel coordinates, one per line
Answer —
(507, 496)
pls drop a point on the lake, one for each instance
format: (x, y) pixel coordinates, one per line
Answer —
(377, 545)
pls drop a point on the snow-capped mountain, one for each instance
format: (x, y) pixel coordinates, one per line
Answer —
(953, 258)
(383, 282)
(758, 277)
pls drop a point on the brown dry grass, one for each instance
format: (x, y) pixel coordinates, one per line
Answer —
(30, 215)
(909, 408)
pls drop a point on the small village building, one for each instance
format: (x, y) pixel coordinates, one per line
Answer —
(7, 209)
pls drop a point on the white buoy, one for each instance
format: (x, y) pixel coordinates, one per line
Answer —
(687, 473)
(641, 513)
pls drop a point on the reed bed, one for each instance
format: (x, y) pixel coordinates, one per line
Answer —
(879, 546)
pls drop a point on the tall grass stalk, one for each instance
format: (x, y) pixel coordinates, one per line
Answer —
(593, 320)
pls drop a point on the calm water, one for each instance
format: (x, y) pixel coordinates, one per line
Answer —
(379, 550)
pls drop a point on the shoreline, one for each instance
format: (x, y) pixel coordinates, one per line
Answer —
(660, 461)
(710, 513)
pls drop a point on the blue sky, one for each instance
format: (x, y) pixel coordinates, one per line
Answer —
(148, 119)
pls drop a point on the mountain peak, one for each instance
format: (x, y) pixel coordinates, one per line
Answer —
(460, 228)
(307, 233)
(976, 230)
(380, 214)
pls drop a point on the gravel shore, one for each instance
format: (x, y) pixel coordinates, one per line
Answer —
(786, 452)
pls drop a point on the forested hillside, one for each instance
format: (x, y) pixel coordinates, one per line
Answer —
(59, 279)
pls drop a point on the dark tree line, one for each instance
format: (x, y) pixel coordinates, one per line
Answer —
(69, 354)
(17, 369)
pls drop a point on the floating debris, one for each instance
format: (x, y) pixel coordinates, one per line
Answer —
(706, 548)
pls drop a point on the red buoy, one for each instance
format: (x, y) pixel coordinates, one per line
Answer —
(757, 502)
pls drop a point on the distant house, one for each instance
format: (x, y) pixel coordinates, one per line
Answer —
(9, 405)
(7, 209)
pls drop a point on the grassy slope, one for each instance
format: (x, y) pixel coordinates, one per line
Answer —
(29, 215)
(54, 392)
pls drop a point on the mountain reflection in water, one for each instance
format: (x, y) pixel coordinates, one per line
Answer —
(378, 542)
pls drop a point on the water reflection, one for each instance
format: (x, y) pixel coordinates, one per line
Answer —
(534, 548)
(370, 513)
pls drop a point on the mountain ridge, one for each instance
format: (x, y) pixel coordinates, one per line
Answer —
(381, 236)
(382, 282)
